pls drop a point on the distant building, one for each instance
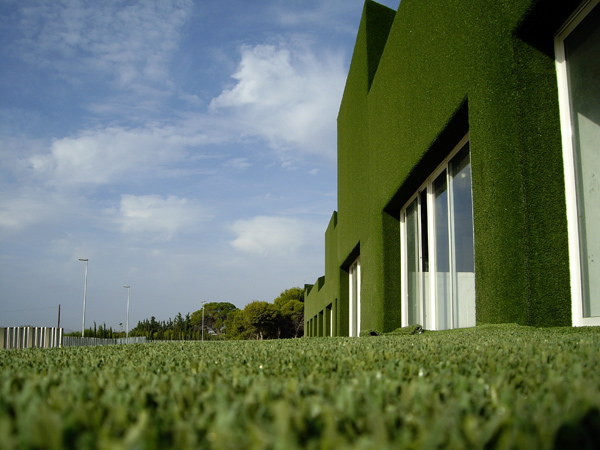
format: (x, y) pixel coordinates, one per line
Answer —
(468, 170)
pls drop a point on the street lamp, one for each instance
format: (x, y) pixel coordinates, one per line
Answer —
(203, 320)
(127, 329)
(84, 294)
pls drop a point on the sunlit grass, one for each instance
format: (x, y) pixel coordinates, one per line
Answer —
(486, 387)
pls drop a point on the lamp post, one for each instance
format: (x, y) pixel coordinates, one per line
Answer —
(203, 320)
(84, 294)
(127, 328)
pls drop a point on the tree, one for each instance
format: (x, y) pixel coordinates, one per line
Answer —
(292, 319)
(187, 327)
(215, 317)
(294, 293)
(235, 326)
(179, 327)
(290, 305)
(260, 319)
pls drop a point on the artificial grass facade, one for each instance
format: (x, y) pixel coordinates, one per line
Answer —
(419, 80)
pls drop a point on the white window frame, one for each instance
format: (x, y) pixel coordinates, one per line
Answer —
(329, 318)
(569, 164)
(354, 271)
(428, 310)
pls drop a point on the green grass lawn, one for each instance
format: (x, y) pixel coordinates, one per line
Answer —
(485, 387)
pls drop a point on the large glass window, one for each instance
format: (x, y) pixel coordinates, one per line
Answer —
(412, 266)
(442, 253)
(461, 227)
(438, 270)
(578, 69)
(355, 298)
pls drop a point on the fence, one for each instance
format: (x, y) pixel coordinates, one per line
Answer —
(30, 337)
(76, 341)
(51, 337)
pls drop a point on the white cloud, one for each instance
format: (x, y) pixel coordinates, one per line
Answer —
(109, 98)
(238, 163)
(105, 155)
(271, 235)
(288, 95)
(332, 15)
(132, 44)
(27, 208)
(156, 218)
(285, 94)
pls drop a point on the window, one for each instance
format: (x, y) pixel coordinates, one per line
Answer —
(438, 269)
(329, 320)
(355, 298)
(321, 324)
(577, 47)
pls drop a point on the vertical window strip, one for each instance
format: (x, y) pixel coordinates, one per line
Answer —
(432, 285)
(354, 299)
(579, 105)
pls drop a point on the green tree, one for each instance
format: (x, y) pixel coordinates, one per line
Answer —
(179, 327)
(215, 317)
(187, 327)
(260, 319)
(235, 326)
(294, 293)
(292, 319)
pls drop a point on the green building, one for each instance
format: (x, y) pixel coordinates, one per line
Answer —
(468, 170)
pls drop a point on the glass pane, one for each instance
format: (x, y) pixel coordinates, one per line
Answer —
(582, 48)
(462, 245)
(424, 255)
(354, 300)
(412, 263)
(442, 254)
(357, 285)
(424, 232)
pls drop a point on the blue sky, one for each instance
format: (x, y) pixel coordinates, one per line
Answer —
(186, 148)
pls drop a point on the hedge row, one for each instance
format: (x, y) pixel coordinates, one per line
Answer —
(489, 387)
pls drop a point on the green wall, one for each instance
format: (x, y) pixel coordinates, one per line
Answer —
(420, 78)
